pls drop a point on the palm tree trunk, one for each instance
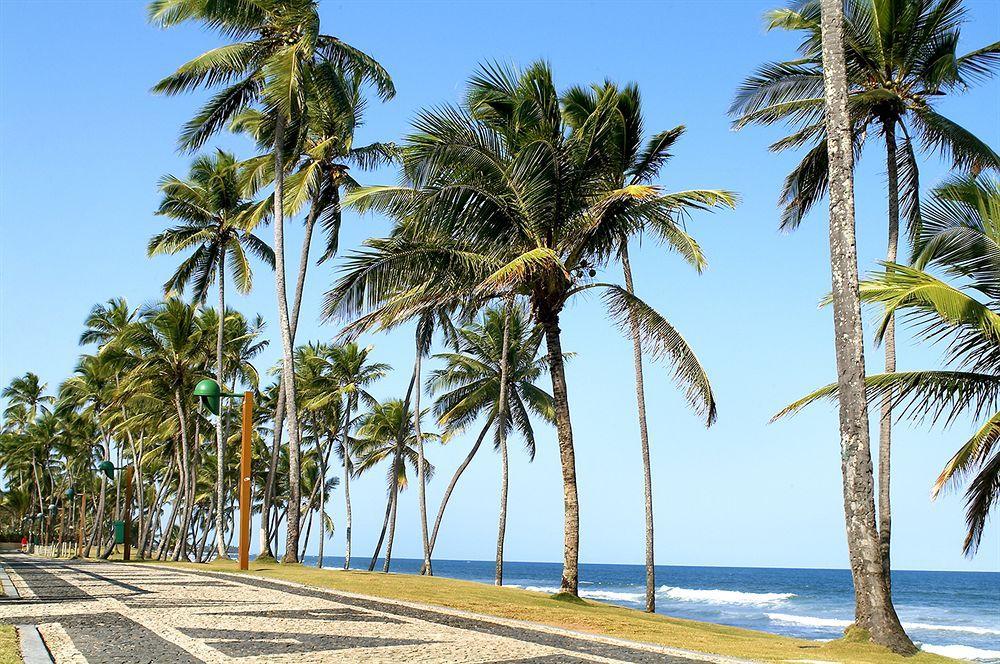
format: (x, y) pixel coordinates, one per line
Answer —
(549, 319)
(187, 476)
(220, 449)
(421, 476)
(454, 480)
(381, 537)
(322, 504)
(640, 399)
(287, 366)
(390, 507)
(347, 485)
(394, 503)
(279, 410)
(889, 339)
(503, 411)
(874, 612)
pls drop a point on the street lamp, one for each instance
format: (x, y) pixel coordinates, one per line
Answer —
(210, 394)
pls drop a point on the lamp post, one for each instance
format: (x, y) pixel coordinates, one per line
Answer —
(210, 394)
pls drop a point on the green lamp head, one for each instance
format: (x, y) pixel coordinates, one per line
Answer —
(210, 394)
(70, 493)
(107, 468)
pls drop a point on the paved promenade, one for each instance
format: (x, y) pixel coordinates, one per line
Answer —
(110, 612)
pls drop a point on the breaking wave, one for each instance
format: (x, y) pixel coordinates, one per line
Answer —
(962, 652)
(723, 596)
(810, 621)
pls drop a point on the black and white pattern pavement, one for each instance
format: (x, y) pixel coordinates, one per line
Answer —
(98, 612)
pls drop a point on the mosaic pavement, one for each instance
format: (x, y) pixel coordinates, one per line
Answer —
(109, 612)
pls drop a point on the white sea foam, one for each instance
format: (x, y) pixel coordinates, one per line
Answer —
(612, 596)
(962, 652)
(723, 596)
(970, 629)
(806, 621)
(605, 595)
(810, 621)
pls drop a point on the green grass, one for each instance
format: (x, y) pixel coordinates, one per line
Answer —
(10, 649)
(584, 615)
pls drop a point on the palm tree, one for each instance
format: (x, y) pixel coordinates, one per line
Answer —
(379, 439)
(470, 386)
(90, 390)
(271, 67)
(960, 235)
(498, 201)
(348, 374)
(169, 350)
(901, 58)
(28, 392)
(873, 613)
(324, 156)
(214, 223)
(634, 166)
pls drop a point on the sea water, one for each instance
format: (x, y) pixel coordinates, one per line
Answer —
(950, 613)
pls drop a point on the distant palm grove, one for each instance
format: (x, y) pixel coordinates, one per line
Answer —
(509, 204)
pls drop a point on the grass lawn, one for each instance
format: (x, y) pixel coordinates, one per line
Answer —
(580, 615)
(10, 650)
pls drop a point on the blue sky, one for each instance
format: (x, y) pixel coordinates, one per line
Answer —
(84, 142)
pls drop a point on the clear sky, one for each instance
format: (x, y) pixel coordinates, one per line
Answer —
(84, 142)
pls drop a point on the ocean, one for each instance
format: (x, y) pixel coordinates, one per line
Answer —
(950, 613)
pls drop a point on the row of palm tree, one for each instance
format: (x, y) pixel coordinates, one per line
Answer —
(510, 204)
(131, 403)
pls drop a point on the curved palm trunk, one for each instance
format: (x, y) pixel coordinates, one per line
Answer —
(347, 486)
(390, 506)
(323, 459)
(640, 400)
(889, 339)
(421, 476)
(504, 417)
(381, 537)
(567, 455)
(454, 480)
(220, 448)
(188, 479)
(287, 366)
(394, 504)
(873, 605)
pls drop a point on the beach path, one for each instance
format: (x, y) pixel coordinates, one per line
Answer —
(89, 611)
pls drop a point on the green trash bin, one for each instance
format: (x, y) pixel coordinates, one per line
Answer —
(119, 532)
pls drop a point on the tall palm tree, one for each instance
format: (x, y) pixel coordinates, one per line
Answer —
(322, 163)
(635, 164)
(348, 373)
(28, 392)
(378, 439)
(169, 349)
(901, 57)
(497, 201)
(471, 385)
(90, 390)
(282, 41)
(215, 223)
(960, 235)
(873, 613)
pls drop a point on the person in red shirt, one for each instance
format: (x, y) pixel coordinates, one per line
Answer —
(24, 543)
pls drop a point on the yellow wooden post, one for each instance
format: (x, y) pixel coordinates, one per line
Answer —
(245, 454)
